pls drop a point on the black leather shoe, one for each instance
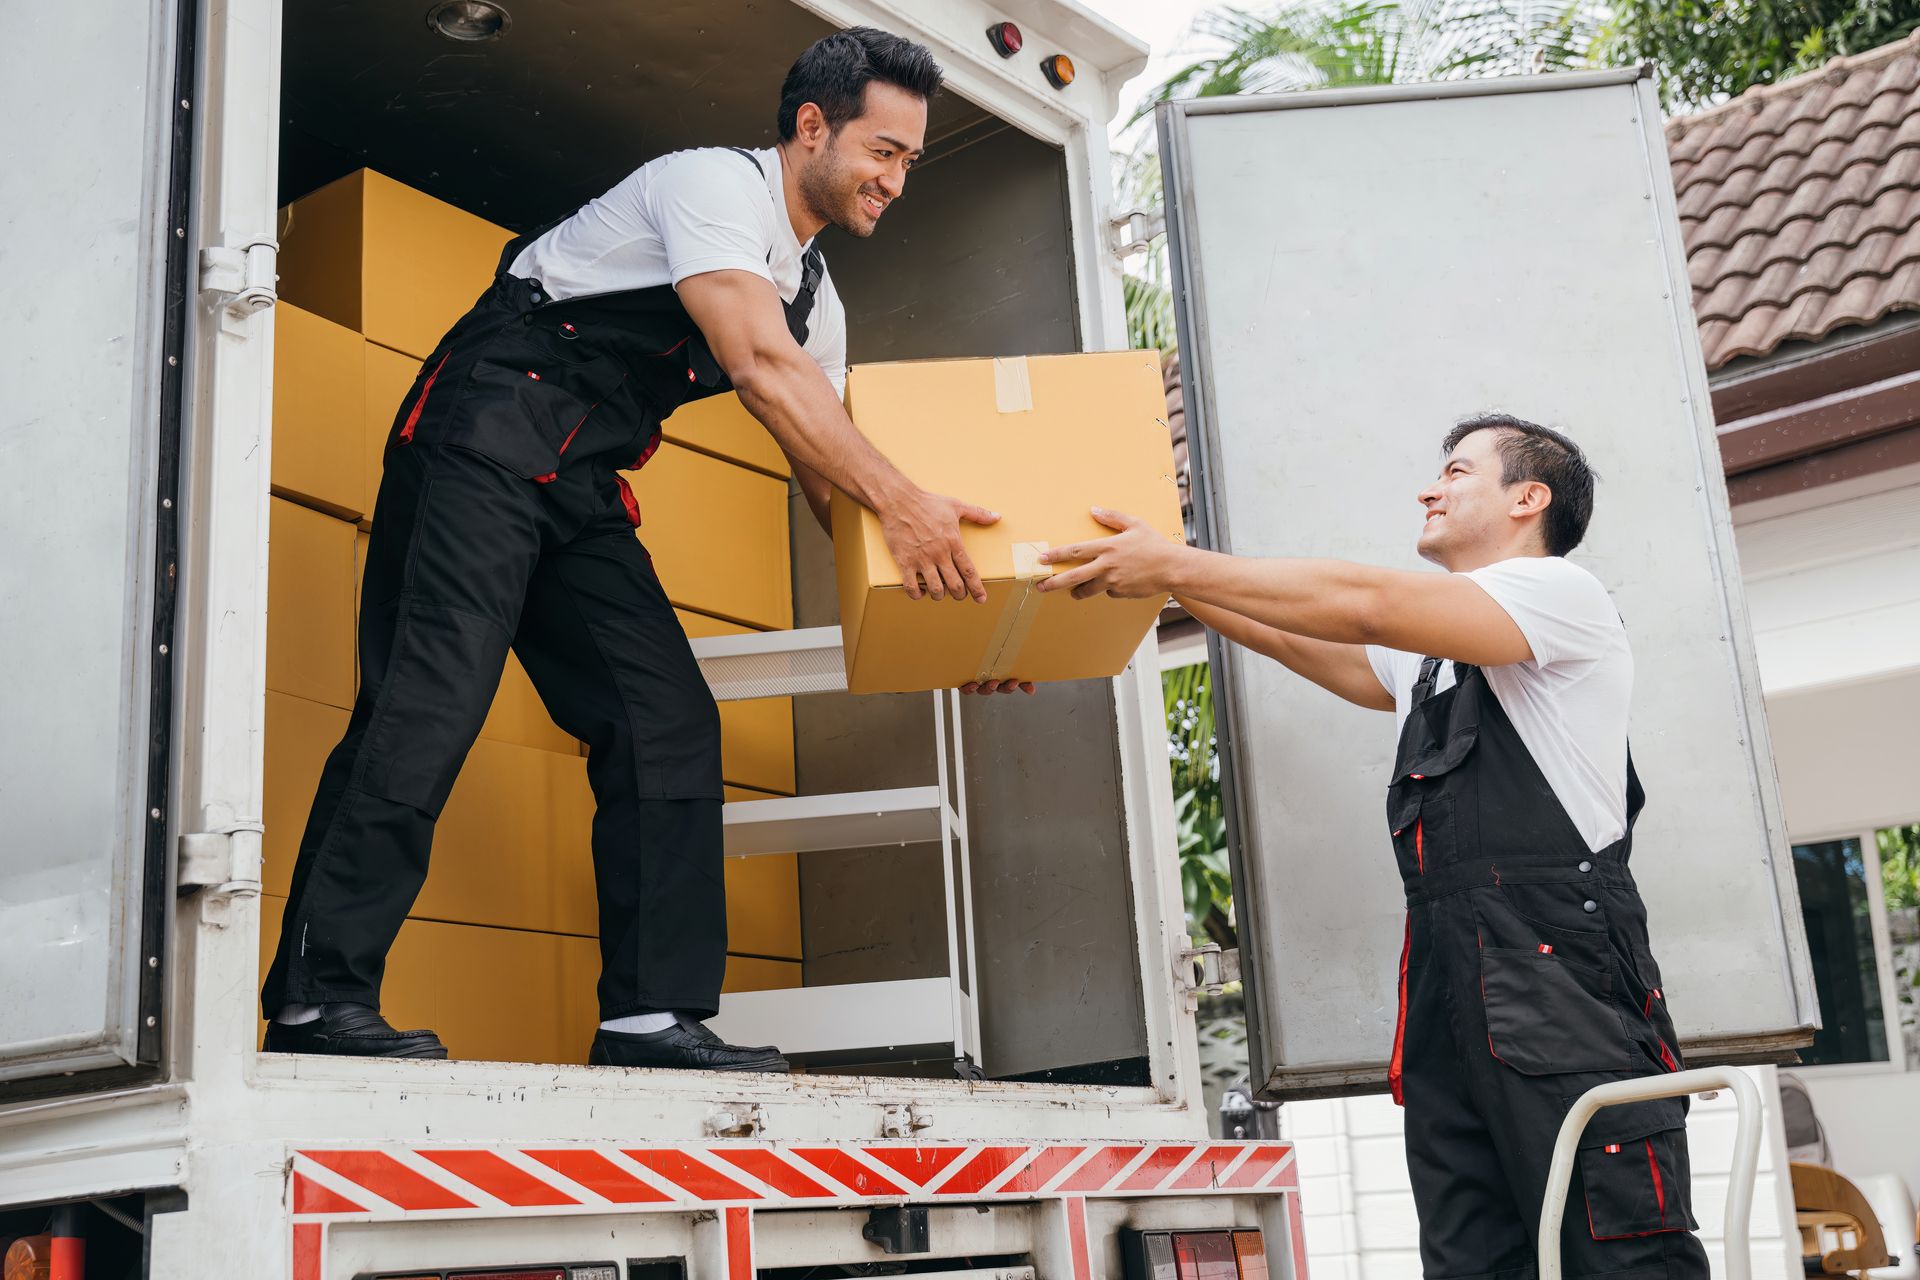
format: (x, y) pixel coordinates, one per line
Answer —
(354, 1031)
(685, 1046)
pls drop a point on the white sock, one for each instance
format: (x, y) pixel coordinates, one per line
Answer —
(292, 1015)
(640, 1023)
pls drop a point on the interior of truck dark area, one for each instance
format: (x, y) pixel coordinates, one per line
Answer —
(517, 123)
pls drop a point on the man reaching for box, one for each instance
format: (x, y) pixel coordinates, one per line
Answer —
(1527, 977)
(502, 520)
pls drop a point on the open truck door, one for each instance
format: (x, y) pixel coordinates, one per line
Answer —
(95, 253)
(1355, 270)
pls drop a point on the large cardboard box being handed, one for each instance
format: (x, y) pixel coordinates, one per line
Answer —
(1041, 440)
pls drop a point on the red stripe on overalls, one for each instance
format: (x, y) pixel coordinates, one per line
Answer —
(413, 418)
(1395, 1065)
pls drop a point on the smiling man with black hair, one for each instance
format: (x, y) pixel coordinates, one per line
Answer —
(502, 521)
(1526, 976)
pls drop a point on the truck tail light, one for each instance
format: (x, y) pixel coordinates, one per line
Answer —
(1250, 1255)
(45, 1258)
(1194, 1255)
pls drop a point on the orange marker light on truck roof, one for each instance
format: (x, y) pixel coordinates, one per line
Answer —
(1058, 70)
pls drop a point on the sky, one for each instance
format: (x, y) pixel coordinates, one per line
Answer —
(1166, 25)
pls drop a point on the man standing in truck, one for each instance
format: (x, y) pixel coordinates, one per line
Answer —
(1526, 976)
(502, 521)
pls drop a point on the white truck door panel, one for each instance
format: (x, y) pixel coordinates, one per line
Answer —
(1355, 270)
(91, 100)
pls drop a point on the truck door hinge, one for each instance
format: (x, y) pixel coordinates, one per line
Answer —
(226, 861)
(737, 1120)
(243, 279)
(1134, 232)
(1207, 969)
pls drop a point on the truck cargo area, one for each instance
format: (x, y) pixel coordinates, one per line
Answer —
(918, 885)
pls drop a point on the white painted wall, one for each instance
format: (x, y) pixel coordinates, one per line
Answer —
(1834, 589)
(1848, 756)
(1359, 1205)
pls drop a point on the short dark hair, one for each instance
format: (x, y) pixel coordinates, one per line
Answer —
(835, 71)
(1529, 451)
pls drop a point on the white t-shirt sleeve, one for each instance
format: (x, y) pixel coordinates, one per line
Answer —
(1562, 610)
(712, 212)
(1395, 669)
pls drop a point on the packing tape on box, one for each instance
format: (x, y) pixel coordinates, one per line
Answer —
(1012, 389)
(1018, 614)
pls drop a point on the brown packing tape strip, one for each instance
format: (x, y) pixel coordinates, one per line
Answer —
(1017, 615)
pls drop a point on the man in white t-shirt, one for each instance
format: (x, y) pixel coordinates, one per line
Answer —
(503, 522)
(1526, 975)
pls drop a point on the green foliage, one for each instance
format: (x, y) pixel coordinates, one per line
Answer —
(1709, 50)
(1900, 864)
(1200, 818)
(1328, 46)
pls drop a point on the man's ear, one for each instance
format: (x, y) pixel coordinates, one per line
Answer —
(1533, 498)
(810, 128)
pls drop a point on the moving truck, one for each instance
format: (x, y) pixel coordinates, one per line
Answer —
(972, 938)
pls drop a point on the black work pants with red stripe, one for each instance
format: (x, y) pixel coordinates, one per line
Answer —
(1524, 989)
(467, 560)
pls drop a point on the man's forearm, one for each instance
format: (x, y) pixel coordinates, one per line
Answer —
(816, 490)
(789, 394)
(1340, 669)
(1332, 600)
(1446, 615)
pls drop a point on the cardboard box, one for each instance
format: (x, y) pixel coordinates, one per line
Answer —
(763, 898)
(318, 404)
(310, 604)
(717, 532)
(721, 425)
(514, 845)
(1040, 440)
(520, 717)
(299, 734)
(386, 261)
(756, 734)
(388, 377)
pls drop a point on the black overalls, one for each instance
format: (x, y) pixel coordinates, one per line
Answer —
(502, 521)
(1526, 980)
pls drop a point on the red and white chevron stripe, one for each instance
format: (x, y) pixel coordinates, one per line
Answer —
(385, 1182)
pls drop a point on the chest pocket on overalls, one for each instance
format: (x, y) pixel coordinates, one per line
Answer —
(545, 371)
(1419, 808)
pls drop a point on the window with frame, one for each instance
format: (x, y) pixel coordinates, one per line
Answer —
(1860, 903)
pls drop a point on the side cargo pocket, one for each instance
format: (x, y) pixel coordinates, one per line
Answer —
(1547, 1015)
(1634, 1169)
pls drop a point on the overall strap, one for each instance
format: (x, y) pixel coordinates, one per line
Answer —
(1429, 676)
(812, 266)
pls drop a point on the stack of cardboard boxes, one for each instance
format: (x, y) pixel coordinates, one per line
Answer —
(499, 954)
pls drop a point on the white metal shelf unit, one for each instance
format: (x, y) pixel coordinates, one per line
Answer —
(870, 1021)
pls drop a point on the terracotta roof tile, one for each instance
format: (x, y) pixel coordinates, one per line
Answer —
(1800, 203)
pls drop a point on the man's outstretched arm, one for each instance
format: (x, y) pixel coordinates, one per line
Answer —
(1441, 615)
(741, 317)
(1340, 669)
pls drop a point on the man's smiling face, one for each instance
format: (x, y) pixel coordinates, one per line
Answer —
(863, 167)
(1467, 505)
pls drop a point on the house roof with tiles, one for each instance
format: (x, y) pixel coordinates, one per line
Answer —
(1800, 203)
